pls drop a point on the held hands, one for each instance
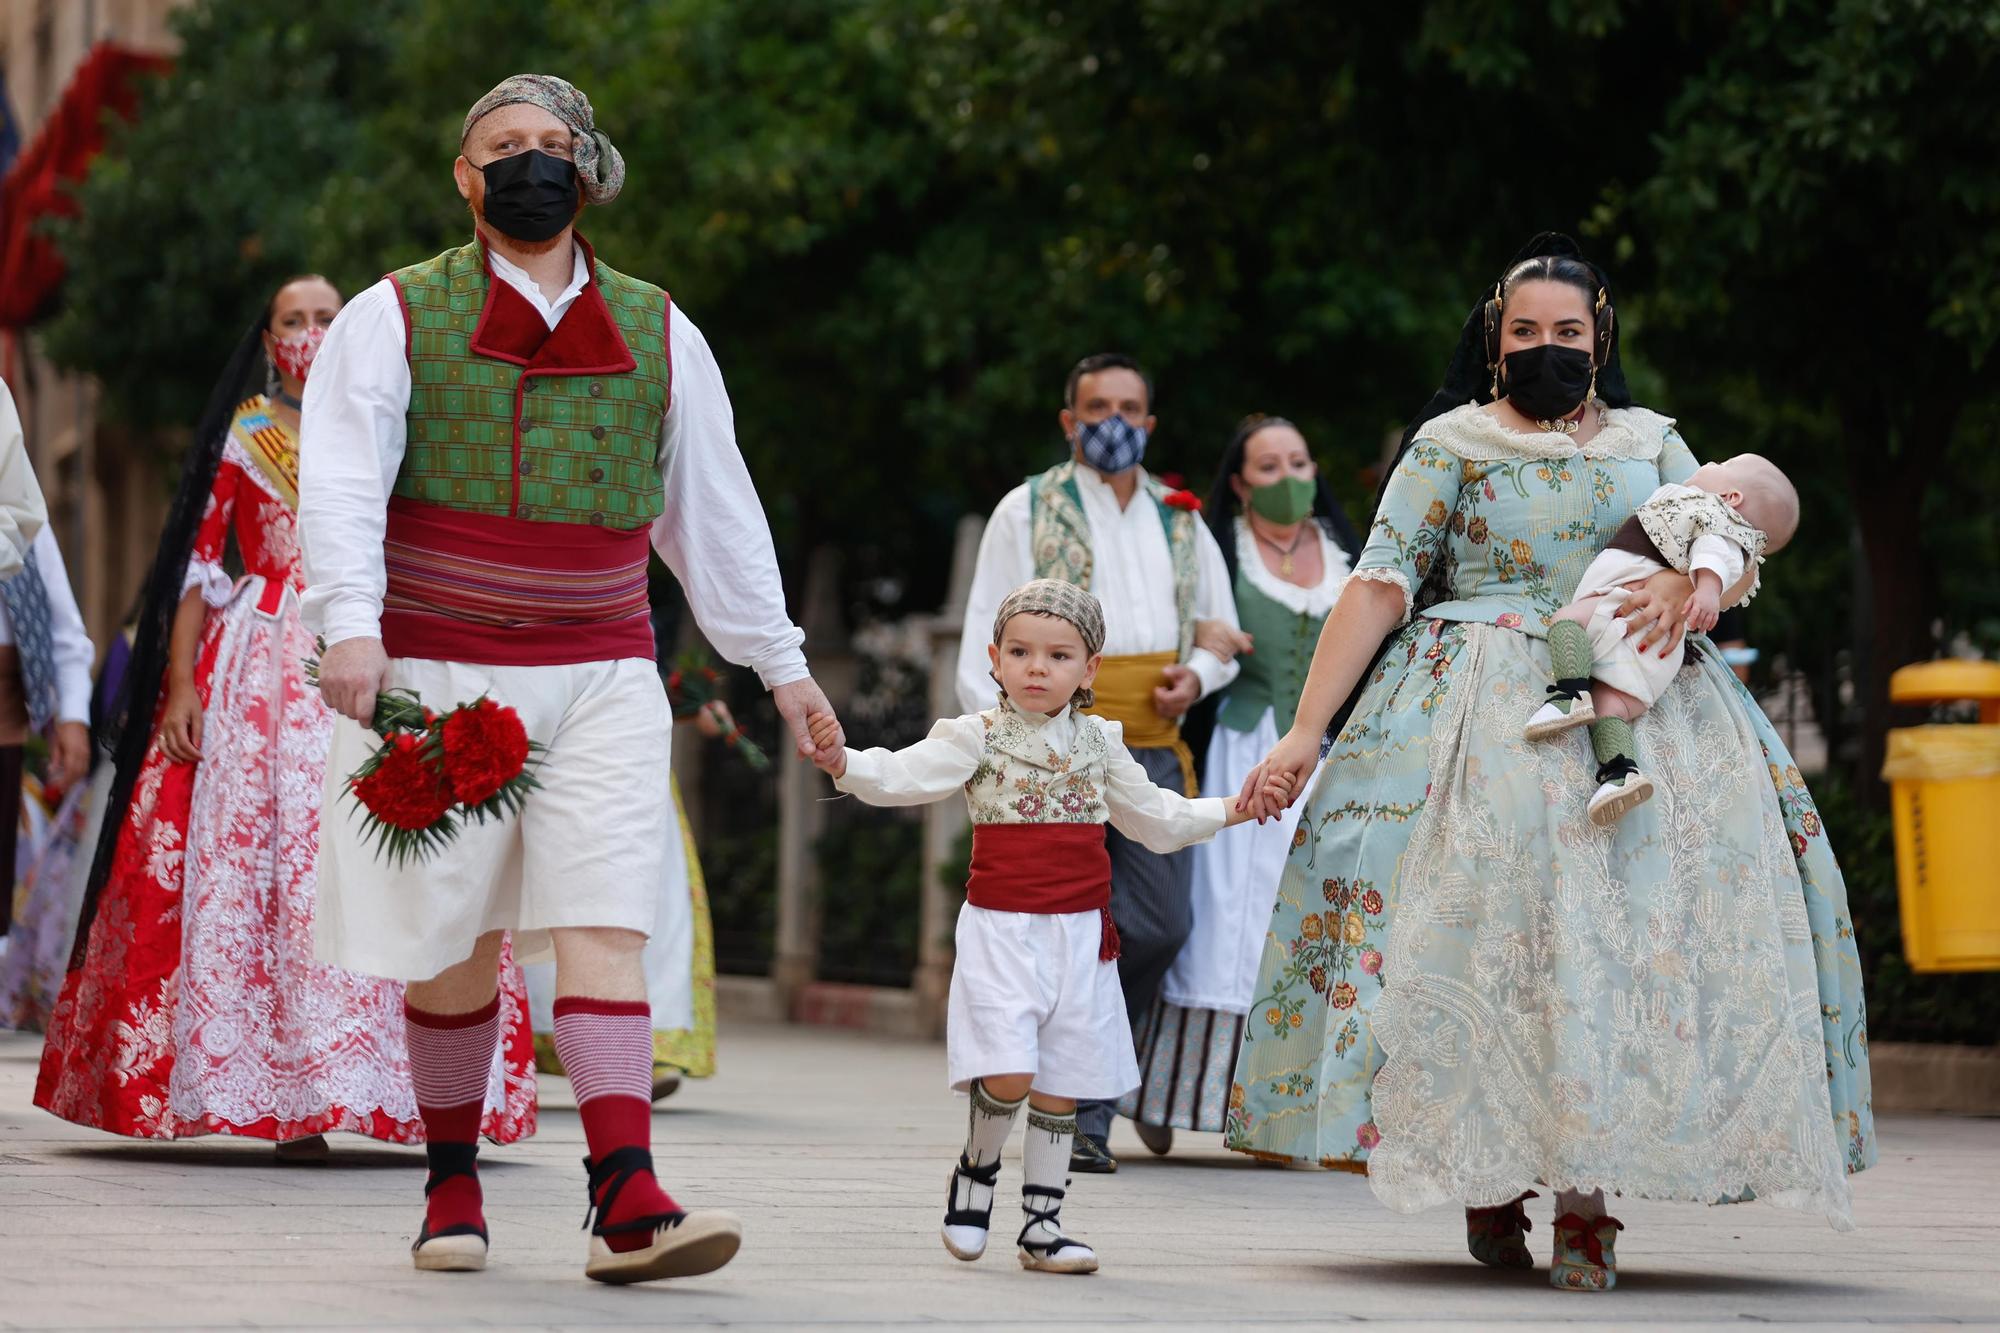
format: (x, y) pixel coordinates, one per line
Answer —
(180, 725)
(829, 747)
(1222, 639)
(1179, 694)
(351, 673)
(1272, 797)
(1274, 784)
(798, 702)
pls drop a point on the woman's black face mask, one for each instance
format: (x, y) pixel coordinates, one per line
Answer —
(530, 196)
(1547, 381)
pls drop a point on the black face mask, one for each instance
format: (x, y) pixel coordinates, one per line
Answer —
(530, 196)
(1547, 382)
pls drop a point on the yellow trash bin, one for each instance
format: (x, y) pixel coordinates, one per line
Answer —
(1945, 790)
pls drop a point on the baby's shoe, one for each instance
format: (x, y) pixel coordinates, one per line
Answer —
(1584, 1259)
(1563, 712)
(1044, 1248)
(1621, 788)
(1497, 1237)
(965, 1229)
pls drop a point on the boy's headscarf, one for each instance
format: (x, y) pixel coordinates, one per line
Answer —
(1065, 601)
(600, 171)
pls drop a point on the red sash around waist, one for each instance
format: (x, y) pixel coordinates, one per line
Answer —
(499, 591)
(1043, 868)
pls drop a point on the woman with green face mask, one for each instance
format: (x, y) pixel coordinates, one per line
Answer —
(1288, 547)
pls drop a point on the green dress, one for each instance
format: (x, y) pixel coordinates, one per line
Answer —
(1669, 1008)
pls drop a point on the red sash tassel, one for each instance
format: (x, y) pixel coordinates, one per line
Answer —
(1047, 869)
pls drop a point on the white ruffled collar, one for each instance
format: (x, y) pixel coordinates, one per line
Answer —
(1314, 601)
(1476, 435)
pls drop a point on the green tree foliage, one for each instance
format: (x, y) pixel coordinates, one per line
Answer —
(899, 221)
(1823, 242)
(210, 200)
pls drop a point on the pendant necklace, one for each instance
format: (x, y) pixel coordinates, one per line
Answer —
(1285, 564)
(1565, 425)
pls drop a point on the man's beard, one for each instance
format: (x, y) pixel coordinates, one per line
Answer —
(477, 206)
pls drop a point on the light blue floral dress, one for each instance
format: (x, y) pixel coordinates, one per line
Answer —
(1668, 1008)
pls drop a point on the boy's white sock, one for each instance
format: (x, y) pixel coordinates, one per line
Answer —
(1045, 1166)
(992, 1121)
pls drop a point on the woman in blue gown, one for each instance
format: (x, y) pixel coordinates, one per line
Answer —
(1468, 989)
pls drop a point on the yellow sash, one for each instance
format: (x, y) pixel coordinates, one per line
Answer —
(1124, 690)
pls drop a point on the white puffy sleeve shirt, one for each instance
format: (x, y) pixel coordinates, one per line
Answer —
(22, 512)
(713, 534)
(1132, 574)
(943, 762)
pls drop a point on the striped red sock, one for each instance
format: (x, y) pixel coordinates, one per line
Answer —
(451, 1058)
(606, 1047)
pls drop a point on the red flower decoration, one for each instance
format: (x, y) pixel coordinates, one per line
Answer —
(406, 790)
(1186, 500)
(1371, 902)
(485, 748)
(1367, 1135)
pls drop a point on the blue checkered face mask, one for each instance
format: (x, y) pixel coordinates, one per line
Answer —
(1111, 445)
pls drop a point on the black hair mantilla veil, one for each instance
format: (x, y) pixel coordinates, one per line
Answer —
(1468, 378)
(127, 732)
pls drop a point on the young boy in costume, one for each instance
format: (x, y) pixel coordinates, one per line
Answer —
(1036, 1012)
(1717, 530)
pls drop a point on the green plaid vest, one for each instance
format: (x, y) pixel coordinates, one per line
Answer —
(529, 441)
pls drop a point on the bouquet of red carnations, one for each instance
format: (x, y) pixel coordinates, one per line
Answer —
(435, 772)
(694, 688)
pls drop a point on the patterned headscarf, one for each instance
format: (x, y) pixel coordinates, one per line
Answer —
(600, 171)
(1065, 601)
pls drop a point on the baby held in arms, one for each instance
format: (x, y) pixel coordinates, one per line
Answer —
(1036, 1017)
(1716, 529)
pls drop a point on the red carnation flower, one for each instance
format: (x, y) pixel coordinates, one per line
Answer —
(406, 790)
(1186, 500)
(485, 748)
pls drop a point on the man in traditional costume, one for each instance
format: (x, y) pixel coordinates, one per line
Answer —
(493, 436)
(1099, 521)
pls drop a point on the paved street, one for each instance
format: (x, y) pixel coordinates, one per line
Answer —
(834, 1149)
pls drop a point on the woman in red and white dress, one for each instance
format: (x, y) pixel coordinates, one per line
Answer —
(193, 1003)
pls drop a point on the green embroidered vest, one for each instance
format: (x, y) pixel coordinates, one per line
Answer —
(1275, 673)
(510, 418)
(1059, 539)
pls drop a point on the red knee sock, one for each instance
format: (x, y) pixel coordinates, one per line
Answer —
(606, 1047)
(451, 1058)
